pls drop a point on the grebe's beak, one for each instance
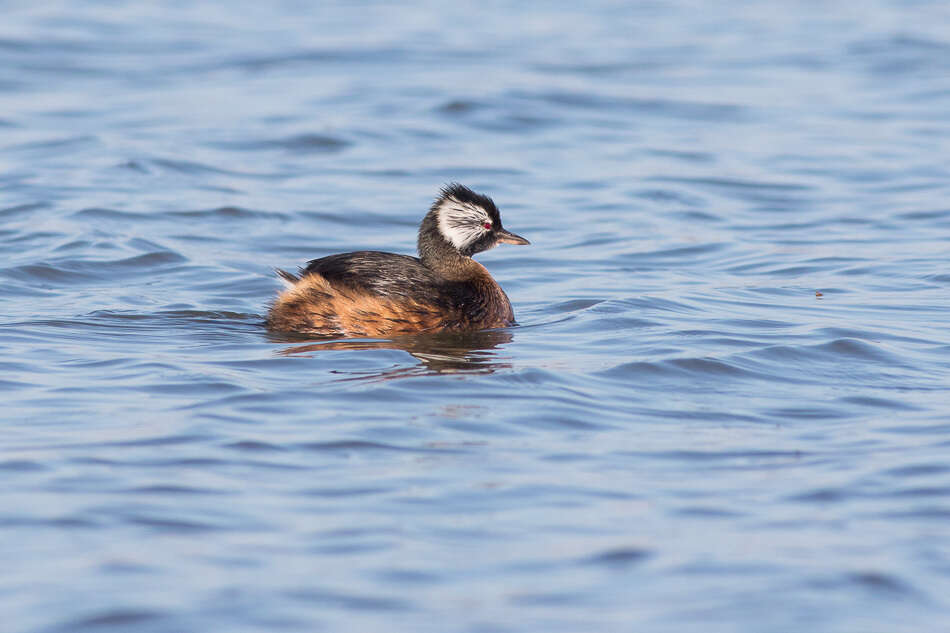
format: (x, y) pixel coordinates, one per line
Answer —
(507, 237)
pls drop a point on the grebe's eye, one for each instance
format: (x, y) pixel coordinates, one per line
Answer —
(487, 226)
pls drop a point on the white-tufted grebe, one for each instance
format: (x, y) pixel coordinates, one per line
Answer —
(374, 294)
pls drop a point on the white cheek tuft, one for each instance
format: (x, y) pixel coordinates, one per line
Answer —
(461, 223)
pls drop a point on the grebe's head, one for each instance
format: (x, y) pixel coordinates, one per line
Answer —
(466, 220)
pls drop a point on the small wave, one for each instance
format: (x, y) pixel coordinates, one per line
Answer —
(362, 446)
(255, 446)
(649, 305)
(457, 107)
(114, 619)
(687, 156)
(881, 582)
(173, 526)
(813, 412)
(45, 273)
(679, 252)
(345, 492)
(597, 240)
(312, 56)
(720, 456)
(732, 183)
(832, 351)
(469, 172)
(198, 315)
(879, 403)
(672, 197)
(618, 557)
(100, 213)
(58, 144)
(22, 466)
(575, 305)
(298, 144)
(72, 271)
(352, 602)
(919, 470)
(901, 55)
(940, 214)
(216, 213)
(357, 217)
(677, 368)
(196, 168)
(672, 108)
(173, 491)
(228, 213)
(22, 209)
(133, 165)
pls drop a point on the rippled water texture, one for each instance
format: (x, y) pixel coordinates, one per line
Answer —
(727, 406)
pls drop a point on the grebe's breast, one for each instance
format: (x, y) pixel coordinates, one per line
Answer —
(370, 293)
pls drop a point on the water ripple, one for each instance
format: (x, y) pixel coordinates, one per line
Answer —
(299, 143)
(729, 389)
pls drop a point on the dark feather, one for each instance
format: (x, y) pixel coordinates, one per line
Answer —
(390, 275)
(286, 276)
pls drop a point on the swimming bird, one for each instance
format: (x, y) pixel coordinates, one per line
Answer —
(375, 294)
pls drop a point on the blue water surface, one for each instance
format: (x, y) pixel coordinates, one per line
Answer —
(726, 407)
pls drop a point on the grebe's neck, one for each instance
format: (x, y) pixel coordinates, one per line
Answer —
(441, 257)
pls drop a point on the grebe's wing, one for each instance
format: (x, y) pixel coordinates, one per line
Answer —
(385, 274)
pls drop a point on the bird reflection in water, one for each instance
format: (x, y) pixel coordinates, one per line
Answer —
(438, 353)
